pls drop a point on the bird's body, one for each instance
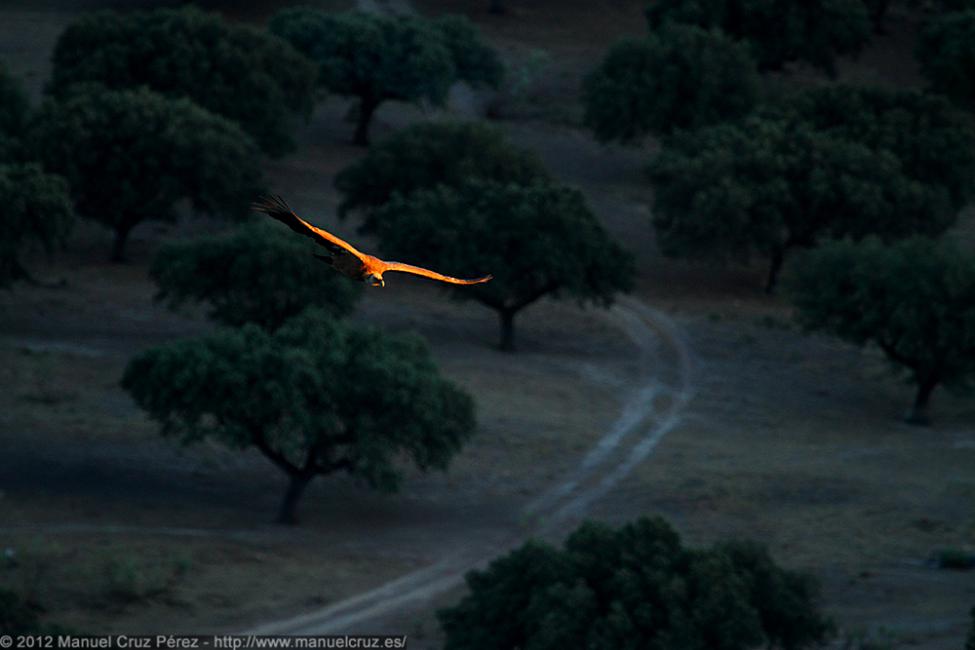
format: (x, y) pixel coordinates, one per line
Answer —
(345, 258)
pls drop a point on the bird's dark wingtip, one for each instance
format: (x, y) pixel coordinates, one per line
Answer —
(270, 204)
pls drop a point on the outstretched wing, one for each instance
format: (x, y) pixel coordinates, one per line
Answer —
(427, 273)
(274, 206)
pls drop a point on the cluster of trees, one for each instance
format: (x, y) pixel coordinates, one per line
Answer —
(146, 110)
(748, 169)
(453, 196)
(636, 587)
(285, 375)
(150, 110)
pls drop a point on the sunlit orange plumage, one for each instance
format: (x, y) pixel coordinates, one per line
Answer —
(344, 257)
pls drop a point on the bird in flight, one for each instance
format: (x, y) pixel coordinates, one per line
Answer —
(343, 257)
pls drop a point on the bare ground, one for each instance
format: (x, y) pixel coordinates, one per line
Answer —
(790, 439)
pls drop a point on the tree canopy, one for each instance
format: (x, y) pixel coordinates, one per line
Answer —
(537, 240)
(244, 74)
(779, 31)
(635, 587)
(375, 58)
(255, 274)
(766, 186)
(316, 396)
(132, 155)
(914, 299)
(36, 209)
(425, 155)
(946, 52)
(934, 141)
(14, 114)
(680, 77)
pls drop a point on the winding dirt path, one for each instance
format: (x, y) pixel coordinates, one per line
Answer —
(653, 409)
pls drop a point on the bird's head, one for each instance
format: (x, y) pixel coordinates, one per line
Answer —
(376, 280)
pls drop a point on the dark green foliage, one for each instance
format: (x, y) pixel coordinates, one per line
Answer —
(376, 58)
(680, 77)
(878, 11)
(537, 240)
(970, 644)
(317, 396)
(934, 142)
(132, 155)
(946, 52)
(247, 75)
(635, 587)
(16, 617)
(36, 207)
(423, 156)
(779, 31)
(474, 61)
(914, 299)
(14, 113)
(764, 187)
(256, 274)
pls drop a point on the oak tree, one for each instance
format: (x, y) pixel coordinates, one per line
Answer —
(680, 77)
(133, 155)
(537, 240)
(767, 186)
(240, 72)
(36, 210)
(914, 299)
(778, 31)
(377, 58)
(635, 586)
(425, 155)
(254, 274)
(316, 396)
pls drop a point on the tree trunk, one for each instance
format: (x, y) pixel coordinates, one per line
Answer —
(118, 246)
(296, 487)
(496, 7)
(507, 317)
(367, 107)
(919, 412)
(775, 265)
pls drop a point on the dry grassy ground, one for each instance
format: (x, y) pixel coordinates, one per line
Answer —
(791, 439)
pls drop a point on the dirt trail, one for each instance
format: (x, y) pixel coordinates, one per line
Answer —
(653, 409)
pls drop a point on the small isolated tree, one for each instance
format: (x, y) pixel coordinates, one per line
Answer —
(765, 187)
(256, 274)
(635, 587)
(425, 155)
(132, 155)
(915, 300)
(537, 240)
(680, 77)
(376, 58)
(946, 52)
(315, 397)
(244, 74)
(779, 31)
(36, 207)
